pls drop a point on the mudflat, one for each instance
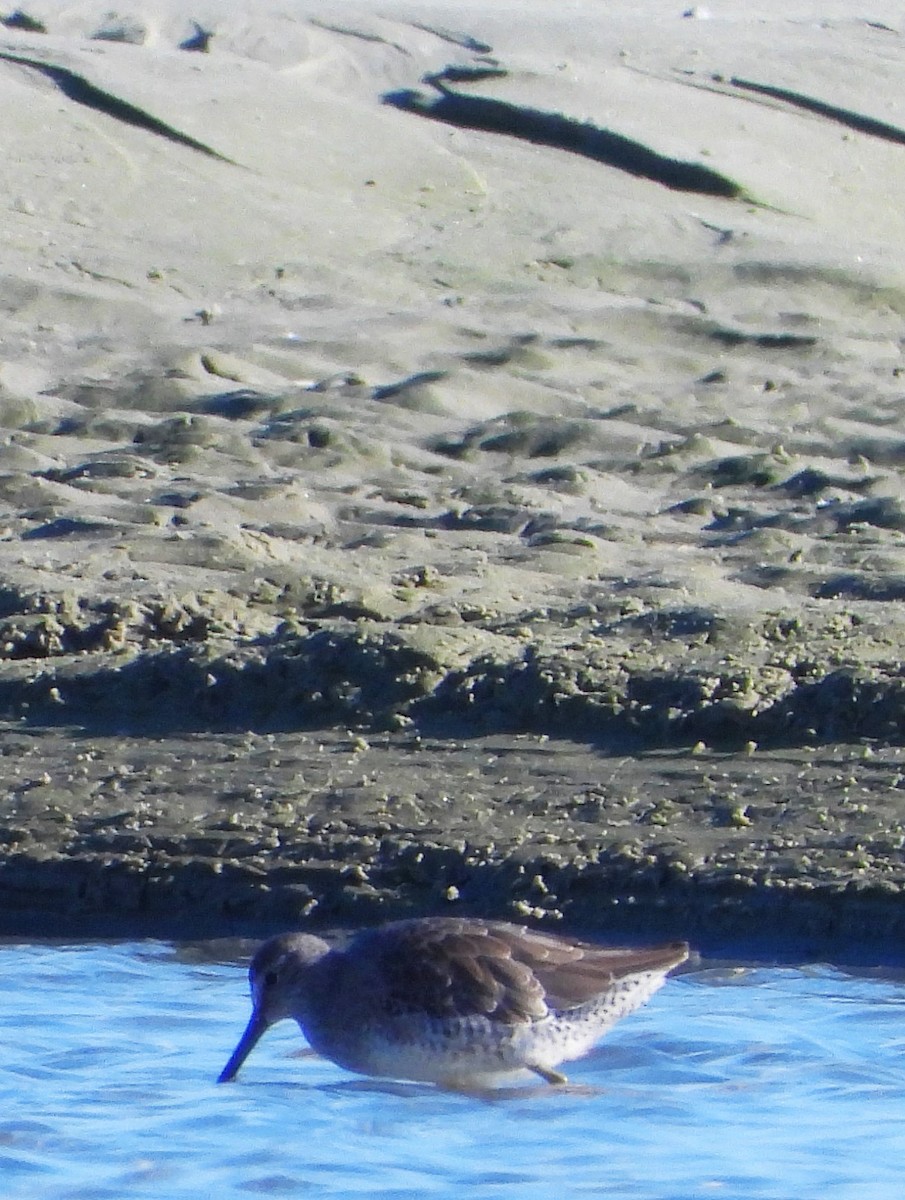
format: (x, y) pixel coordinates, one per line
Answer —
(451, 460)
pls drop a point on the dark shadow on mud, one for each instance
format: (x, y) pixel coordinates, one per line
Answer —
(341, 679)
(842, 116)
(562, 133)
(77, 88)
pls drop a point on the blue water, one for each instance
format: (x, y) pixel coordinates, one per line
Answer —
(730, 1084)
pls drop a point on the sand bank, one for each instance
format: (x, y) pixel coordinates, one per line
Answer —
(441, 373)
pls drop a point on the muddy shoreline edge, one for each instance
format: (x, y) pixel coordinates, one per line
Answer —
(210, 790)
(415, 498)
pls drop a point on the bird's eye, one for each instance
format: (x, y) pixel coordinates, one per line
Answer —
(270, 979)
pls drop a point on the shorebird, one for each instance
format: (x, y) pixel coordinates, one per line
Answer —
(456, 1001)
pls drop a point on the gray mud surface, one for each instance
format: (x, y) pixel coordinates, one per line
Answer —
(421, 518)
(781, 852)
(337, 654)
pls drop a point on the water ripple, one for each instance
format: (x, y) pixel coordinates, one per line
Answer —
(742, 1083)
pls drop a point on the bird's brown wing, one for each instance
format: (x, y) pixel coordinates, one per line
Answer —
(460, 967)
(573, 972)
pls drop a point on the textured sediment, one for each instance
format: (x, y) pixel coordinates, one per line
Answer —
(793, 851)
(453, 464)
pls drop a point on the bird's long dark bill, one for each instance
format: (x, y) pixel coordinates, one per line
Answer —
(249, 1039)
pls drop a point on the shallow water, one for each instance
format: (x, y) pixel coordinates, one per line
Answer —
(732, 1083)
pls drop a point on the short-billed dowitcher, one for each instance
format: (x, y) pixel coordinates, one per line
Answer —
(456, 1001)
